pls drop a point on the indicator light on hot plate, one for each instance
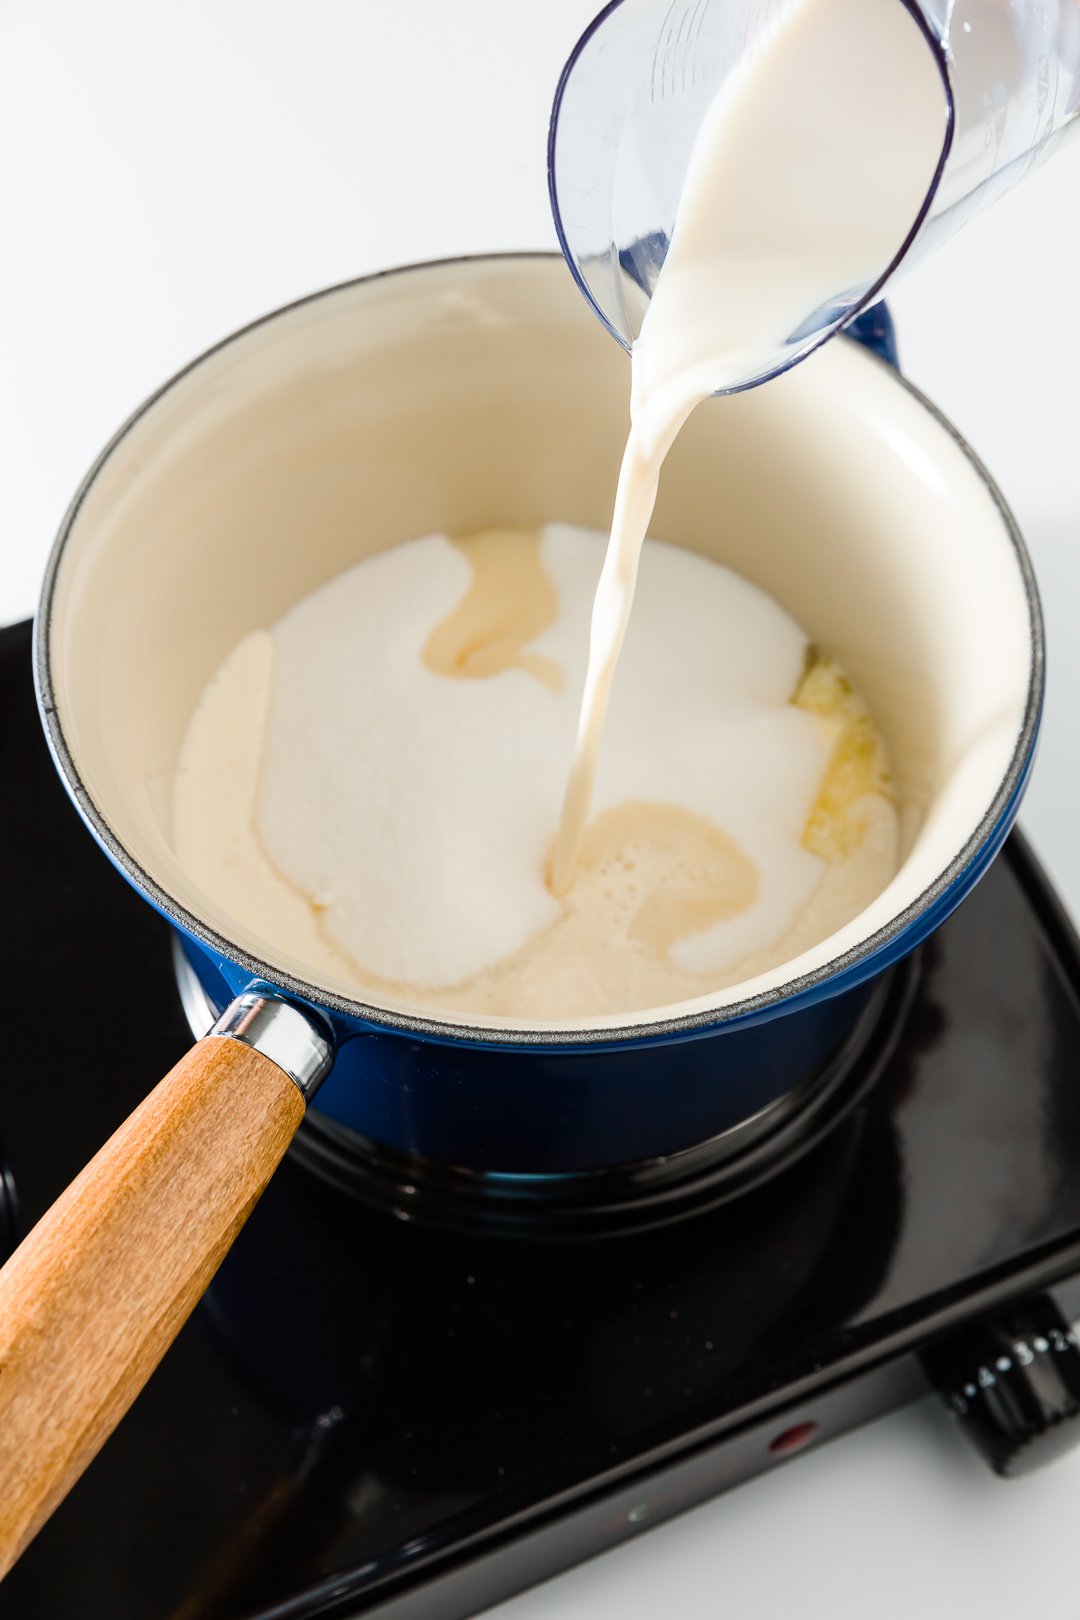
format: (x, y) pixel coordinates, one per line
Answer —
(1012, 1382)
(792, 1439)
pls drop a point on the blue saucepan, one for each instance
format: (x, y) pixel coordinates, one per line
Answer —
(456, 396)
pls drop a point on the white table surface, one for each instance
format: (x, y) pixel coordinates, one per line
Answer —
(167, 172)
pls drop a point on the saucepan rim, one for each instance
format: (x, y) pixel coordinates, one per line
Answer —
(828, 978)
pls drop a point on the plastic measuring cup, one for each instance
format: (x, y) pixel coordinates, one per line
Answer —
(632, 97)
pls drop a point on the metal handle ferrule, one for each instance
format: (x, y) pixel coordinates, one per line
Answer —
(280, 1032)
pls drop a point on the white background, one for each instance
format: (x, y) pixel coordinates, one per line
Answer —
(170, 170)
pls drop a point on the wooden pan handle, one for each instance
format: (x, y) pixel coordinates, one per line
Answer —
(95, 1295)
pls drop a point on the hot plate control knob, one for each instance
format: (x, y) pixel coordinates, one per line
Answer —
(1012, 1381)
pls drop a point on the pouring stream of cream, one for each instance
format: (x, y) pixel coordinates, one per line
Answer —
(809, 171)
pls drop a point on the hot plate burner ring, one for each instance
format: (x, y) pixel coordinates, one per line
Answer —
(616, 1200)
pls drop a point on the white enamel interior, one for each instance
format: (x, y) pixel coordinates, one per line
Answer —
(481, 393)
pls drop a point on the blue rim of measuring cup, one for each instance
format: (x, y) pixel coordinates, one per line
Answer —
(872, 293)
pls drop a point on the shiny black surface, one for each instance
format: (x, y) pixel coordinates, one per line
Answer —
(396, 1419)
(9, 1218)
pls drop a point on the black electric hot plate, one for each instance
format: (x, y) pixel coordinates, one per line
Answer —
(378, 1414)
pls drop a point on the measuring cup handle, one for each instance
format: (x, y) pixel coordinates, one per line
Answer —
(94, 1296)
